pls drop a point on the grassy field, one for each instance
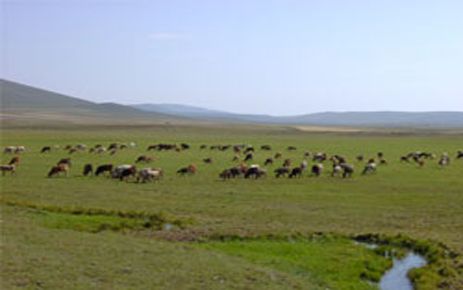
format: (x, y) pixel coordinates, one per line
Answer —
(199, 232)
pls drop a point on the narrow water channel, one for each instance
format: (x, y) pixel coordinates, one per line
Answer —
(396, 278)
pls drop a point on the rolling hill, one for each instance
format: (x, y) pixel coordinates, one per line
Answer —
(22, 103)
(26, 103)
(19, 97)
(350, 119)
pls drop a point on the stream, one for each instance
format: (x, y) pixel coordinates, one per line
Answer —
(396, 278)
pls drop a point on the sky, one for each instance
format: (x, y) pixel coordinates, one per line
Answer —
(280, 57)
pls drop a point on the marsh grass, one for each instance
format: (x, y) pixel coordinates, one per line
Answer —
(423, 204)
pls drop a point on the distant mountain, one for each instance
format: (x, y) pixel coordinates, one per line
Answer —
(199, 113)
(22, 101)
(183, 110)
(346, 119)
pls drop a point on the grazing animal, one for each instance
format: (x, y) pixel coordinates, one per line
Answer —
(243, 167)
(207, 160)
(124, 172)
(152, 147)
(144, 159)
(14, 161)
(347, 170)
(304, 164)
(360, 158)
(14, 149)
(317, 169)
(319, 157)
(88, 169)
(420, 162)
(103, 168)
(444, 160)
(281, 171)
(81, 147)
(291, 148)
(113, 146)
(370, 167)
(190, 169)
(202, 147)
(9, 149)
(287, 163)
(237, 148)
(255, 172)
(266, 147)
(236, 158)
(162, 147)
(185, 146)
(57, 169)
(66, 161)
(226, 174)
(277, 155)
(236, 171)
(249, 149)
(248, 157)
(183, 171)
(45, 149)
(404, 159)
(149, 174)
(460, 154)
(20, 149)
(338, 159)
(8, 168)
(231, 173)
(306, 154)
(268, 161)
(100, 150)
(73, 150)
(383, 161)
(337, 170)
(296, 172)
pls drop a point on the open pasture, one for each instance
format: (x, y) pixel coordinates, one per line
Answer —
(423, 203)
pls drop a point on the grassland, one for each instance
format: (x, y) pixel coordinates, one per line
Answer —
(45, 244)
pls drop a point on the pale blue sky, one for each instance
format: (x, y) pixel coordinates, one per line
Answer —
(274, 57)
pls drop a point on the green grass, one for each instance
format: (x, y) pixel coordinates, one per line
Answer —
(329, 263)
(421, 203)
(92, 224)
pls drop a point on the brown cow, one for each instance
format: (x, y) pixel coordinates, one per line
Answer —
(190, 169)
(66, 161)
(56, 170)
(144, 159)
(14, 161)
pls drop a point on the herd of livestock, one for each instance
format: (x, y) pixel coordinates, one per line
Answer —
(243, 155)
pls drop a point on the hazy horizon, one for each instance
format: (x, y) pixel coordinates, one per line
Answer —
(261, 57)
